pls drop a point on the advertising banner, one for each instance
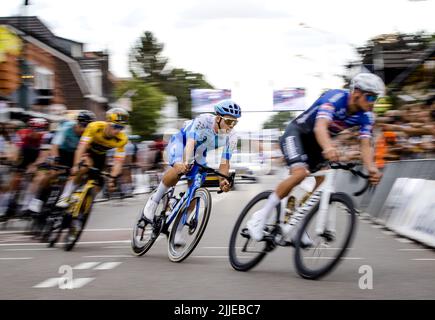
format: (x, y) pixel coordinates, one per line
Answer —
(401, 203)
(419, 218)
(289, 99)
(203, 100)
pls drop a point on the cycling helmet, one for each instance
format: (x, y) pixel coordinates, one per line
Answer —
(228, 108)
(368, 82)
(38, 123)
(85, 117)
(117, 116)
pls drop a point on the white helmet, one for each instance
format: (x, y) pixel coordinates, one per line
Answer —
(368, 82)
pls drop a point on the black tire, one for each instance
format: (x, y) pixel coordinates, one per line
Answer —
(305, 255)
(176, 253)
(56, 229)
(73, 235)
(145, 234)
(243, 263)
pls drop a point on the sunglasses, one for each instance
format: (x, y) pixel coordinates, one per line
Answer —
(230, 122)
(117, 126)
(370, 97)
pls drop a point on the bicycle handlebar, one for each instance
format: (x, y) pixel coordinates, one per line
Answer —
(350, 167)
(216, 172)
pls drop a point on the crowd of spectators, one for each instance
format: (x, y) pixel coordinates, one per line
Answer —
(399, 134)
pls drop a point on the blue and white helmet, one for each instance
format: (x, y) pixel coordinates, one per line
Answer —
(228, 108)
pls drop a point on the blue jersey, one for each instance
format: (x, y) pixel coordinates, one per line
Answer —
(334, 106)
(66, 138)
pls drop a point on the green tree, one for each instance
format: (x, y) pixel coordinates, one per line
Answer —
(147, 101)
(279, 120)
(147, 63)
(178, 83)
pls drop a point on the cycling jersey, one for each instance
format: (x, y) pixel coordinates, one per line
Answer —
(66, 138)
(99, 143)
(333, 105)
(201, 130)
(29, 139)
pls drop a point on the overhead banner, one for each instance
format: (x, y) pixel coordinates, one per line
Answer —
(204, 100)
(289, 99)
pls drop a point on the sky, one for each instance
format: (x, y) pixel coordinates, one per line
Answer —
(251, 47)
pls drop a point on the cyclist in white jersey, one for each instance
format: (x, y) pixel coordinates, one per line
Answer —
(206, 132)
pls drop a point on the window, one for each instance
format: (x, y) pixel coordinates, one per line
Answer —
(44, 78)
(94, 80)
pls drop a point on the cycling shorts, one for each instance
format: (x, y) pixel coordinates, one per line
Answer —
(301, 148)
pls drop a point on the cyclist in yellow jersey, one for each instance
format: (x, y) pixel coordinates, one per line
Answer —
(98, 138)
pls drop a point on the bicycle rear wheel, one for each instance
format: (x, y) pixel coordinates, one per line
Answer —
(329, 248)
(145, 234)
(78, 223)
(179, 246)
(244, 252)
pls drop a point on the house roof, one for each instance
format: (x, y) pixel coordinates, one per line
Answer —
(34, 27)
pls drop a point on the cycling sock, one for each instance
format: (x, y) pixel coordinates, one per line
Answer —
(161, 190)
(271, 203)
(68, 190)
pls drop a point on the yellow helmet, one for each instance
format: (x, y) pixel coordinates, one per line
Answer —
(117, 116)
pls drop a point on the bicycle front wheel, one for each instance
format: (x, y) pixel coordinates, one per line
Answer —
(244, 252)
(78, 223)
(144, 233)
(185, 235)
(327, 249)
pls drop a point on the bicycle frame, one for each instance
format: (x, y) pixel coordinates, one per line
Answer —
(326, 218)
(90, 184)
(186, 199)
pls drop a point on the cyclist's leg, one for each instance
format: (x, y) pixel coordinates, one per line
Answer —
(296, 158)
(170, 177)
(72, 183)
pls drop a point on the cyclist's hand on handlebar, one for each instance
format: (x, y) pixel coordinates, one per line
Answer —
(224, 185)
(331, 154)
(374, 175)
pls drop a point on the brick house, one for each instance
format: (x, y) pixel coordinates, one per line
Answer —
(60, 72)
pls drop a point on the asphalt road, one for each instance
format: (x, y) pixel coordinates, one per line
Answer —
(103, 266)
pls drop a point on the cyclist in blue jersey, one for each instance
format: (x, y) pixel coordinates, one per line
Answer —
(63, 147)
(307, 143)
(206, 132)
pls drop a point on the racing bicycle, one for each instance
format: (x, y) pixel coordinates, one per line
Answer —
(178, 217)
(327, 217)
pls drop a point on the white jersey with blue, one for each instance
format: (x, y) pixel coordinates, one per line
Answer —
(201, 130)
(334, 106)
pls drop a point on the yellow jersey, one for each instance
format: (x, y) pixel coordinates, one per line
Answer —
(99, 143)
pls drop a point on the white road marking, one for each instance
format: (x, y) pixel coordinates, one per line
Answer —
(416, 249)
(404, 240)
(425, 259)
(61, 243)
(330, 258)
(21, 258)
(377, 226)
(31, 249)
(86, 265)
(54, 282)
(217, 257)
(80, 282)
(49, 283)
(113, 256)
(107, 265)
(108, 230)
(388, 233)
(117, 247)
